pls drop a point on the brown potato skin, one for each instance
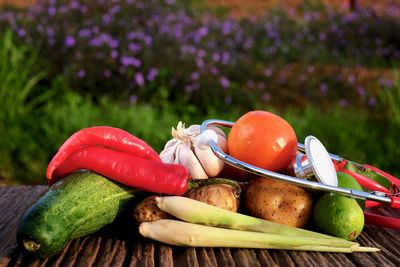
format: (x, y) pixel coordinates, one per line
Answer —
(278, 201)
(221, 196)
(147, 211)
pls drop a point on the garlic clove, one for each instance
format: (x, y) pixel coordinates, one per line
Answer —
(168, 153)
(210, 162)
(188, 159)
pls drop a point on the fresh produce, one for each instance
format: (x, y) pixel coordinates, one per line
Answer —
(180, 233)
(194, 211)
(76, 206)
(187, 149)
(278, 201)
(250, 231)
(104, 136)
(339, 216)
(147, 211)
(150, 176)
(223, 196)
(347, 181)
(264, 140)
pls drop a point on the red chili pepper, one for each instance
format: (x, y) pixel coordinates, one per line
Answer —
(105, 136)
(152, 176)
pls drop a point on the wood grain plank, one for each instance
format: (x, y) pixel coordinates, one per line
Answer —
(308, 258)
(110, 253)
(13, 202)
(281, 257)
(245, 257)
(206, 257)
(265, 258)
(89, 253)
(185, 257)
(165, 256)
(143, 254)
(224, 257)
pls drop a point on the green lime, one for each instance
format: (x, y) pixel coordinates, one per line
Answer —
(339, 216)
(347, 181)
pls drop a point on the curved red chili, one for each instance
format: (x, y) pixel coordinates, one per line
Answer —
(105, 136)
(133, 171)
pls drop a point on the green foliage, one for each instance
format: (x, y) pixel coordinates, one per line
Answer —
(390, 98)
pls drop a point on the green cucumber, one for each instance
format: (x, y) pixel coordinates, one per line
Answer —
(75, 206)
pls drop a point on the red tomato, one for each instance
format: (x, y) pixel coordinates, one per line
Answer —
(264, 140)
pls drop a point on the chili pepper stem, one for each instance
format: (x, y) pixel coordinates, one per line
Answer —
(195, 183)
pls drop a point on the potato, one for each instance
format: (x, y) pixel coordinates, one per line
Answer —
(219, 195)
(278, 201)
(147, 211)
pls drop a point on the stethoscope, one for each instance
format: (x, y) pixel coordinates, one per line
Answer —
(313, 161)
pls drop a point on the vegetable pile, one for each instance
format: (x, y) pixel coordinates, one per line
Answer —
(184, 197)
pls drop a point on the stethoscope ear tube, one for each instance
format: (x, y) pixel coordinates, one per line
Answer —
(381, 220)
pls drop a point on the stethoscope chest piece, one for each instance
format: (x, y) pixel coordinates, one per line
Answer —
(316, 162)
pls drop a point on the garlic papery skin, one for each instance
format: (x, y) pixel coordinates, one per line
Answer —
(190, 149)
(210, 162)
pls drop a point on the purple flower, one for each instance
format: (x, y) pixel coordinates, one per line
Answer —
(148, 40)
(195, 75)
(133, 99)
(228, 100)
(107, 73)
(351, 78)
(139, 79)
(170, 2)
(51, 11)
(225, 83)
(250, 84)
(113, 43)
(216, 57)
(225, 57)
(343, 102)
(268, 72)
(134, 47)
(323, 88)
(310, 69)
(114, 54)
(69, 41)
(372, 102)
(202, 31)
(153, 72)
(81, 73)
(200, 63)
(214, 70)
(84, 33)
(361, 91)
(130, 61)
(21, 32)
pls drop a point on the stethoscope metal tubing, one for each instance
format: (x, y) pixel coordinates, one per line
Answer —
(376, 196)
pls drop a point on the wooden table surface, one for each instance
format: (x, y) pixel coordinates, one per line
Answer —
(118, 246)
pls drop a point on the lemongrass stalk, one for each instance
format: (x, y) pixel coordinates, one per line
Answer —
(194, 211)
(181, 233)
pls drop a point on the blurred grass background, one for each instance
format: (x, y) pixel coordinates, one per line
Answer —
(145, 65)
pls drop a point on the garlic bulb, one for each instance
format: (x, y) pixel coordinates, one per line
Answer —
(190, 148)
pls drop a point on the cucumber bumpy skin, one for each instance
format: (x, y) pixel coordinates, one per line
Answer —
(75, 206)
